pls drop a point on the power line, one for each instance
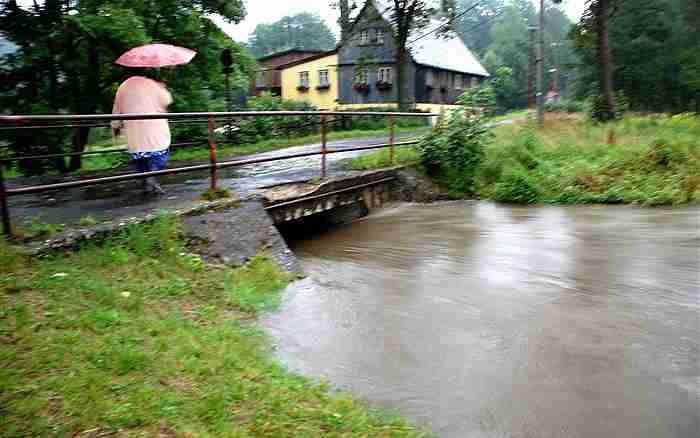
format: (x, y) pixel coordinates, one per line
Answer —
(444, 25)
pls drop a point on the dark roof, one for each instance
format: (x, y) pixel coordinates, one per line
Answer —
(310, 58)
(287, 52)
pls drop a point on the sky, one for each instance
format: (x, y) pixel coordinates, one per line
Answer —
(264, 11)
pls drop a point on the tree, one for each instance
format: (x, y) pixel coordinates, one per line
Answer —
(654, 45)
(475, 27)
(67, 49)
(303, 30)
(605, 104)
(406, 17)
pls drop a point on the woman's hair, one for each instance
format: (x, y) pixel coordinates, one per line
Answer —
(151, 73)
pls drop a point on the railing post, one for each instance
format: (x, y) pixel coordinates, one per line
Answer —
(392, 138)
(212, 153)
(6, 225)
(324, 141)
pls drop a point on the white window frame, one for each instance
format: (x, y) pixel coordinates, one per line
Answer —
(364, 37)
(261, 80)
(304, 79)
(385, 75)
(430, 78)
(321, 81)
(379, 36)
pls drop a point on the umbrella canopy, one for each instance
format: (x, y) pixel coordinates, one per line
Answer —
(156, 55)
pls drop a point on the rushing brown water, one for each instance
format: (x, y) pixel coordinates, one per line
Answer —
(477, 320)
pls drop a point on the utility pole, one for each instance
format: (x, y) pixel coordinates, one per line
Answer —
(540, 69)
(532, 66)
(557, 69)
(227, 61)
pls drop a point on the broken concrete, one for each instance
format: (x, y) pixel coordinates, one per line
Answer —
(234, 236)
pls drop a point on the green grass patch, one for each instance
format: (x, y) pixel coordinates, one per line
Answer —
(654, 160)
(518, 115)
(36, 228)
(404, 156)
(216, 194)
(138, 337)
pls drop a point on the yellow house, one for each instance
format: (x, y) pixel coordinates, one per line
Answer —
(313, 80)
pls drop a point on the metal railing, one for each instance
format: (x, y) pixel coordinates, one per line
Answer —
(103, 120)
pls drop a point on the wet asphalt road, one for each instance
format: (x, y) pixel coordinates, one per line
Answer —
(124, 200)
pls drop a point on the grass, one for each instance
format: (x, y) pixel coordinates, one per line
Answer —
(216, 194)
(518, 115)
(138, 338)
(404, 156)
(654, 160)
(36, 228)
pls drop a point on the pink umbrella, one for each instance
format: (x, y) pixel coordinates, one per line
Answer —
(156, 55)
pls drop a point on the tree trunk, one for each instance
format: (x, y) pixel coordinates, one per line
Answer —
(87, 104)
(601, 10)
(344, 20)
(401, 57)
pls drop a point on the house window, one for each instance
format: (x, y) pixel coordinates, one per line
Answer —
(304, 79)
(323, 78)
(384, 75)
(475, 82)
(429, 78)
(459, 81)
(380, 36)
(364, 37)
(361, 76)
(261, 80)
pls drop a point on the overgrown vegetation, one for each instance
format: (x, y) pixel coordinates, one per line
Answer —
(655, 160)
(453, 151)
(137, 337)
(646, 160)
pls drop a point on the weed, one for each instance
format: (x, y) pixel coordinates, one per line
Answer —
(36, 228)
(88, 221)
(216, 194)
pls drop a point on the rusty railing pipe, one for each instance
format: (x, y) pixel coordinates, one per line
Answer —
(4, 209)
(212, 154)
(324, 144)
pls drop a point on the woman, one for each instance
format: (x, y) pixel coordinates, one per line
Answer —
(148, 140)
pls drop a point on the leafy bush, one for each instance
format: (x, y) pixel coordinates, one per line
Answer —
(516, 186)
(569, 106)
(347, 123)
(454, 150)
(255, 129)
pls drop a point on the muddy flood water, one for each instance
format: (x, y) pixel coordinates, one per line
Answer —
(479, 320)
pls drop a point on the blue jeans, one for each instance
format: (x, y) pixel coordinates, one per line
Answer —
(148, 164)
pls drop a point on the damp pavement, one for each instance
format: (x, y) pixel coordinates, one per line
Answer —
(481, 320)
(115, 201)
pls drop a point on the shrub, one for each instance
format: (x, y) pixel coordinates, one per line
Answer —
(347, 123)
(454, 150)
(255, 129)
(516, 186)
(569, 106)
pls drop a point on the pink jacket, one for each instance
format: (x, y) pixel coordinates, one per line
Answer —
(142, 95)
